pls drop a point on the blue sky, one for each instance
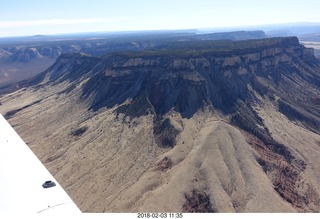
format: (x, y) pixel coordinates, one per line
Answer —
(31, 17)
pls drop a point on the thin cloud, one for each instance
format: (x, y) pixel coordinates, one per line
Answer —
(31, 23)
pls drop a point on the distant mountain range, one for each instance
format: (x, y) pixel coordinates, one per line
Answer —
(273, 30)
(23, 57)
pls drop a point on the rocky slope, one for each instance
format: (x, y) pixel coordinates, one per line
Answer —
(202, 126)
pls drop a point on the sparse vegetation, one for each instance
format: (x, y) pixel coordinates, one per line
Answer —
(213, 47)
(165, 133)
(197, 202)
(11, 113)
(79, 131)
(282, 168)
(247, 119)
(296, 113)
(140, 106)
(164, 164)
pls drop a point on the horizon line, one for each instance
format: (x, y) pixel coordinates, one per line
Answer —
(213, 28)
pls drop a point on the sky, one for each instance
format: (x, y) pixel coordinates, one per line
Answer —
(45, 17)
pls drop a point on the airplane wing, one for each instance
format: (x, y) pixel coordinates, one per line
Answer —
(26, 186)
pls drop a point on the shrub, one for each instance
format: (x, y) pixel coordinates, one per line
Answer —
(79, 131)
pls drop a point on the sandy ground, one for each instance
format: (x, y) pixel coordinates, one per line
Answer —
(112, 167)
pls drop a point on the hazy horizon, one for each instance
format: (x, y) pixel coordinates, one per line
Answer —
(35, 17)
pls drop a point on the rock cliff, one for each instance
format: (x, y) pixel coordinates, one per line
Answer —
(186, 81)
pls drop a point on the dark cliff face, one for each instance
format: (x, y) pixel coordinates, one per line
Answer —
(185, 77)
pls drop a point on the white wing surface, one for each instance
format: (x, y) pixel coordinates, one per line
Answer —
(23, 178)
